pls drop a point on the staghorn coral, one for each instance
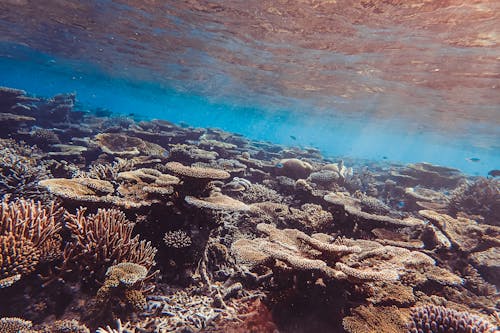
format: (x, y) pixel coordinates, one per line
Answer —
(18, 257)
(101, 239)
(28, 235)
(260, 193)
(434, 319)
(20, 169)
(479, 197)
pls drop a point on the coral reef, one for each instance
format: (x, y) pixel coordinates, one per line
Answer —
(166, 228)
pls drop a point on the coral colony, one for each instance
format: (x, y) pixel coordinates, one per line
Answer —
(113, 225)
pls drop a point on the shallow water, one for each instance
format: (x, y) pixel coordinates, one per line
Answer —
(249, 166)
(360, 76)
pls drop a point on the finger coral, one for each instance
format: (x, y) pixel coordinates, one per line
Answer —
(434, 319)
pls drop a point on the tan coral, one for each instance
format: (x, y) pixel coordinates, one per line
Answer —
(294, 168)
(217, 201)
(197, 172)
(134, 189)
(384, 319)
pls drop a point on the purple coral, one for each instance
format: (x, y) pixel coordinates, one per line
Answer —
(434, 319)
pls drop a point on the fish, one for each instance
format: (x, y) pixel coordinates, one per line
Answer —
(384, 157)
(494, 173)
(473, 159)
(293, 137)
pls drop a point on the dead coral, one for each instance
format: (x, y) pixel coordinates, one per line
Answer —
(479, 197)
(20, 170)
(429, 175)
(126, 146)
(352, 260)
(101, 240)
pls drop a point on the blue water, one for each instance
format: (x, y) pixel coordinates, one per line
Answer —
(44, 75)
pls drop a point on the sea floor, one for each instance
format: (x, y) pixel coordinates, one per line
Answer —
(110, 224)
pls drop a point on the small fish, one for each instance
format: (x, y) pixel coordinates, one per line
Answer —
(384, 157)
(494, 173)
(401, 204)
(293, 137)
(473, 159)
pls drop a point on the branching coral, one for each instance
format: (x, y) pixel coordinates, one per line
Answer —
(101, 240)
(28, 235)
